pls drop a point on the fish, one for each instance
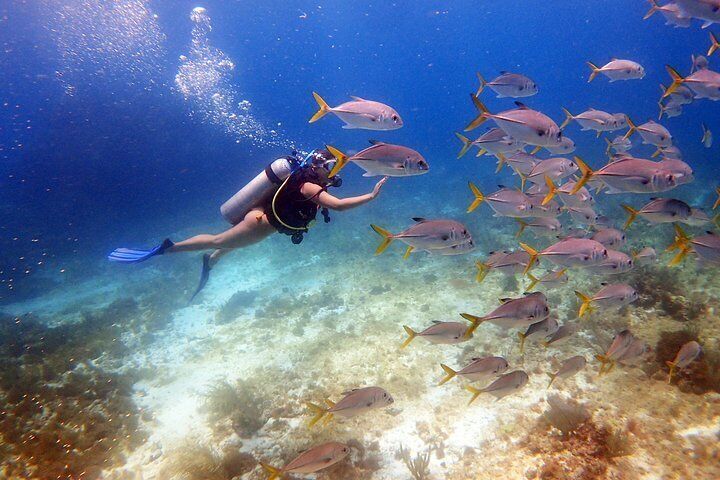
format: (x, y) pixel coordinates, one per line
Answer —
(551, 279)
(440, 333)
(311, 460)
(460, 249)
(542, 328)
(382, 159)
(681, 171)
(635, 353)
(506, 262)
(614, 295)
(538, 225)
(555, 169)
(619, 144)
(360, 113)
(621, 342)
(581, 198)
(522, 123)
(682, 94)
(698, 63)
(494, 141)
(670, 109)
(684, 357)
(596, 120)
(617, 69)
(668, 153)
(707, 138)
(673, 14)
(353, 403)
(706, 247)
(506, 202)
(561, 335)
(610, 237)
(704, 83)
(517, 312)
(513, 85)
(628, 175)
(568, 368)
(570, 252)
(583, 215)
(707, 10)
(617, 262)
(502, 387)
(425, 235)
(698, 218)
(645, 255)
(478, 369)
(659, 210)
(567, 145)
(651, 133)
(522, 162)
(551, 209)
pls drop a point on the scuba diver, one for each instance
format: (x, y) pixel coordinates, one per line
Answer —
(285, 197)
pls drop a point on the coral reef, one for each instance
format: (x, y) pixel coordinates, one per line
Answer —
(418, 465)
(193, 461)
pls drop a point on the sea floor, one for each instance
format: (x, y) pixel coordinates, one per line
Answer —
(219, 385)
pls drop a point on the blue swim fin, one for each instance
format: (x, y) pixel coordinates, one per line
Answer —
(129, 255)
(204, 276)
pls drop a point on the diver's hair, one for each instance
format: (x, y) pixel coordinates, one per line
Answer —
(322, 156)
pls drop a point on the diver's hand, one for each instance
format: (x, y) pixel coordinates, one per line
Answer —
(378, 186)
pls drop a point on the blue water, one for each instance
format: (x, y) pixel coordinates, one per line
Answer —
(100, 148)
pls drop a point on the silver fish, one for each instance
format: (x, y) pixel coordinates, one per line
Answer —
(621, 342)
(506, 262)
(478, 369)
(698, 218)
(541, 225)
(673, 14)
(522, 162)
(651, 133)
(704, 83)
(596, 120)
(508, 84)
(619, 144)
(561, 335)
(583, 215)
(506, 202)
(659, 210)
(635, 353)
(580, 198)
(502, 387)
(542, 328)
(551, 279)
(426, 235)
(360, 113)
(555, 169)
(610, 237)
(311, 460)
(567, 145)
(699, 62)
(383, 159)
(568, 368)
(614, 295)
(440, 333)
(494, 141)
(684, 357)
(514, 312)
(617, 69)
(682, 172)
(707, 138)
(571, 252)
(629, 175)
(645, 255)
(617, 262)
(706, 247)
(353, 403)
(708, 10)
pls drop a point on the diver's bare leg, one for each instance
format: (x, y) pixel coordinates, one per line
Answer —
(254, 228)
(217, 254)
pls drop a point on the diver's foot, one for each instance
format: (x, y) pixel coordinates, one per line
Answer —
(204, 275)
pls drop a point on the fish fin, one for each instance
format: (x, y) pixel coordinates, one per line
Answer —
(501, 161)
(595, 70)
(481, 152)
(552, 190)
(604, 361)
(653, 8)
(387, 238)
(533, 256)
(523, 180)
(275, 473)
(586, 174)
(479, 197)
(482, 84)
(677, 80)
(411, 336)
(483, 270)
(631, 128)
(521, 105)
(475, 393)
(632, 215)
(670, 365)
(347, 126)
(341, 158)
(684, 250)
(357, 99)
(523, 224)
(568, 118)
(318, 413)
(533, 281)
(706, 134)
(714, 45)
(466, 144)
(522, 338)
(449, 374)
(535, 150)
(407, 253)
(717, 202)
(552, 376)
(376, 142)
(586, 305)
(419, 219)
(323, 108)
(475, 320)
(482, 116)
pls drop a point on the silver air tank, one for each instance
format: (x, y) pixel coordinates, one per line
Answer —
(256, 191)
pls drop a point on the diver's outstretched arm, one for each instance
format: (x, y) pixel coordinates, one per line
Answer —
(324, 199)
(252, 229)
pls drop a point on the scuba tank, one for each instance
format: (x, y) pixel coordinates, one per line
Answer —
(257, 190)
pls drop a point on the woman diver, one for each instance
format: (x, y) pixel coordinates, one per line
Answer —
(285, 198)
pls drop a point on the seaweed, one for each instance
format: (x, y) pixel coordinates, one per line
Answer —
(618, 443)
(564, 414)
(235, 305)
(193, 461)
(417, 466)
(240, 406)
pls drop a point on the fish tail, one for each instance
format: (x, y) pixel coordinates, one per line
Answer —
(586, 174)
(632, 215)
(475, 393)
(533, 256)
(552, 190)
(714, 44)
(449, 374)
(341, 158)
(603, 363)
(501, 161)
(653, 8)
(274, 472)
(523, 224)
(475, 320)
(662, 111)
(609, 147)
(595, 70)
(408, 251)
(716, 220)
(670, 365)
(323, 108)
(523, 180)
(387, 238)
(482, 84)
(533, 281)
(677, 79)
(568, 118)
(586, 305)
(535, 150)
(631, 128)
(483, 270)
(552, 379)
(684, 250)
(656, 152)
(482, 116)
(717, 202)
(706, 133)
(411, 336)
(479, 197)
(481, 152)
(522, 338)
(466, 144)
(318, 413)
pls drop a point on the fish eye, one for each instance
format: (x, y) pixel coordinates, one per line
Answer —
(395, 118)
(541, 133)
